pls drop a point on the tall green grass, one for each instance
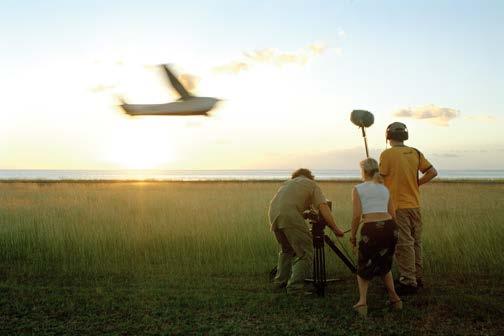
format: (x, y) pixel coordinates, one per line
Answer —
(214, 228)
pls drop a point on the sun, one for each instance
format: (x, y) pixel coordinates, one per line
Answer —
(139, 146)
(141, 154)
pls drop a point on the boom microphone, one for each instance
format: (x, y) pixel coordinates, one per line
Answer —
(363, 119)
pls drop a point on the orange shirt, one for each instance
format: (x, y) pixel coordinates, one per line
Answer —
(399, 167)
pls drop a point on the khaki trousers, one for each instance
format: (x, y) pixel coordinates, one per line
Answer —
(408, 252)
(295, 258)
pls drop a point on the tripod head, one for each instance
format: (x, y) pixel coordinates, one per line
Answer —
(316, 221)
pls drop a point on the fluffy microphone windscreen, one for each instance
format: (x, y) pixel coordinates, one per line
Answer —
(362, 118)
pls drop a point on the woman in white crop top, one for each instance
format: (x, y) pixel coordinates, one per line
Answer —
(373, 209)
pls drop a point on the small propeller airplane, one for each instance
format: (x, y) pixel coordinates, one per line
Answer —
(186, 105)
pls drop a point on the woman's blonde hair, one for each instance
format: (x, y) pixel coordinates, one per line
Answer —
(370, 169)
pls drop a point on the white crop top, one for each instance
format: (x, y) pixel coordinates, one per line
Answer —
(374, 197)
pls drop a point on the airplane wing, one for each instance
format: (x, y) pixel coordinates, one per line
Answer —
(176, 84)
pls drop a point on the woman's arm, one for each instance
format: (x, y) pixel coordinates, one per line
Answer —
(356, 217)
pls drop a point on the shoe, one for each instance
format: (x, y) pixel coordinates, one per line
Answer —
(310, 294)
(361, 310)
(301, 292)
(396, 305)
(403, 289)
(273, 273)
(276, 289)
(280, 285)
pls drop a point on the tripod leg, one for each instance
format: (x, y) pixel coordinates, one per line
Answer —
(340, 254)
(319, 278)
(324, 278)
(315, 270)
(322, 272)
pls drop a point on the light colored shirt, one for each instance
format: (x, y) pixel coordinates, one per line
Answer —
(374, 197)
(399, 167)
(292, 198)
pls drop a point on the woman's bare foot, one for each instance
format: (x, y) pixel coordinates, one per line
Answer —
(394, 297)
(360, 304)
(395, 305)
(360, 308)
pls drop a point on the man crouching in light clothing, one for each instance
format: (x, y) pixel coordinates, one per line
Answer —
(291, 231)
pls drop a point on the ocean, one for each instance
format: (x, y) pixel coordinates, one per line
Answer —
(218, 175)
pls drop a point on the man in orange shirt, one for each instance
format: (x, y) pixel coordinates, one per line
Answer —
(399, 167)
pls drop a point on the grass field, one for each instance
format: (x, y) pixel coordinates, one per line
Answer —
(193, 257)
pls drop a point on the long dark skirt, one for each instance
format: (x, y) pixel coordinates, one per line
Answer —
(376, 248)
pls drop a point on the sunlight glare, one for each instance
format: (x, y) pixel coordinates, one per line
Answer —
(139, 146)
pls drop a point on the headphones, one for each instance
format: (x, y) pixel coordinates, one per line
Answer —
(397, 131)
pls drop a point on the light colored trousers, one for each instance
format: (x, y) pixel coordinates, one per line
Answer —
(408, 253)
(295, 258)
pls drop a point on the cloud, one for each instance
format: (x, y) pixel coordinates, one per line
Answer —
(471, 151)
(435, 114)
(101, 88)
(341, 33)
(276, 57)
(190, 82)
(233, 67)
(273, 56)
(447, 155)
(317, 48)
(223, 141)
(347, 158)
(486, 119)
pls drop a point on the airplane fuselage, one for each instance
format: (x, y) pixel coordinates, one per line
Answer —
(186, 107)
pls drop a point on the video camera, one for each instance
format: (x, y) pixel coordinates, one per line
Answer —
(316, 220)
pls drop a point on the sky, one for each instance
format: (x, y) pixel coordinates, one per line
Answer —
(288, 72)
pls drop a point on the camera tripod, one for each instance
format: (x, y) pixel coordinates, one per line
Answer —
(319, 238)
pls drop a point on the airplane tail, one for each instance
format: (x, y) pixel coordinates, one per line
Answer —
(120, 100)
(175, 83)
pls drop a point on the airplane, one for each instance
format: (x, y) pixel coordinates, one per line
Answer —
(186, 105)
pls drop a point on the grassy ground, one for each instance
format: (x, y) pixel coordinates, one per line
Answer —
(179, 258)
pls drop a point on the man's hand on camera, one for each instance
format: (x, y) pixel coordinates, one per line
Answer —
(337, 232)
